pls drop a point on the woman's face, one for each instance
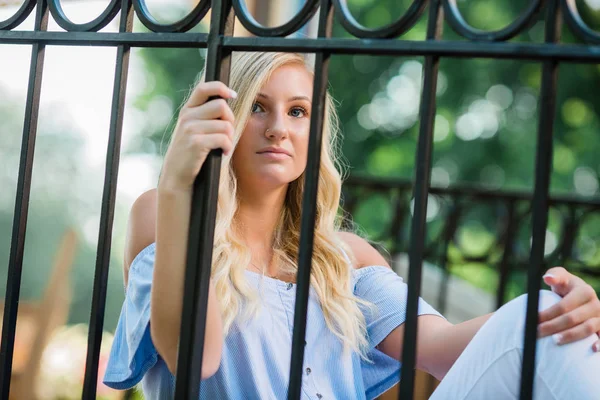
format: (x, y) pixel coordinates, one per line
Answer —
(272, 150)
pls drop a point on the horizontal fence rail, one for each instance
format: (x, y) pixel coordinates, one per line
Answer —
(511, 208)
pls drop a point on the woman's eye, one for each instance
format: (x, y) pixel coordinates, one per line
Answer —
(256, 108)
(297, 112)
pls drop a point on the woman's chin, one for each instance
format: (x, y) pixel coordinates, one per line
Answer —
(273, 182)
(268, 181)
(273, 176)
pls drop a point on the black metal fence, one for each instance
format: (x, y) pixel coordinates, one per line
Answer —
(220, 44)
(507, 216)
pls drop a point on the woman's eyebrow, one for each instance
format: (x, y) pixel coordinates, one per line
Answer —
(299, 98)
(293, 98)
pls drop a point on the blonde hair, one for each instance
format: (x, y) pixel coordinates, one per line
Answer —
(331, 276)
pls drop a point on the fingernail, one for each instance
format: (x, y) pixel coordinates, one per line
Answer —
(597, 347)
(233, 94)
(548, 276)
(558, 338)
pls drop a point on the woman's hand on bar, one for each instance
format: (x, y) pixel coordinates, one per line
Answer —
(577, 315)
(205, 123)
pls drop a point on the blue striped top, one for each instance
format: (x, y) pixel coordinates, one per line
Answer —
(256, 355)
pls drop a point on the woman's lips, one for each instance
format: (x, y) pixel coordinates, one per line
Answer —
(274, 155)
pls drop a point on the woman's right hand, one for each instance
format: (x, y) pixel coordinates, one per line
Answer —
(202, 126)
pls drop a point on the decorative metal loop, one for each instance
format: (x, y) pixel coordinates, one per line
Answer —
(245, 16)
(394, 29)
(577, 24)
(462, 27)
(20, 16)
(93, 26)
(183, 25)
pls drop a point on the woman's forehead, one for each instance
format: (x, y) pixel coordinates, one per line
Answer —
(291, 80)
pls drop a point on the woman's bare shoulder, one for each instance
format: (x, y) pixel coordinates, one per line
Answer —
(141, 226)
(364, 254)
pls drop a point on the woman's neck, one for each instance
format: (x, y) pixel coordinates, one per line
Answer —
(258, 215)
(257, 218)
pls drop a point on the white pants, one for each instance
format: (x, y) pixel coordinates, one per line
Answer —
(490, 366)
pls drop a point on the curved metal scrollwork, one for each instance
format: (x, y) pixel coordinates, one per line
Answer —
(462, 27)
(394, 29)
(93, 26)
(576, 23)
(247, 20)
(183, 25)
(20, 16)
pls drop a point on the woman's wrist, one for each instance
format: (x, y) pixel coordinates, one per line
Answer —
(167, 186)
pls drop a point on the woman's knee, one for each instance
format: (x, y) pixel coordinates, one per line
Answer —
(509, 320)
(547, 299)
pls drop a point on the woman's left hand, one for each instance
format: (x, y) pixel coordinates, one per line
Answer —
(576, 316)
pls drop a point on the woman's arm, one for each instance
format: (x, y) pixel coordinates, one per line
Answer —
(168, 282)
(164, 215)
(440, 343)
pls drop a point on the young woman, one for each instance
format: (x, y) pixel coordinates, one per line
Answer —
(357, 304)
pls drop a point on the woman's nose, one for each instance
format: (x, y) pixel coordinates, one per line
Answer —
(277, 129)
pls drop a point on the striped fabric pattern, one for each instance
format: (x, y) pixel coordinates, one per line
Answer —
(256, 356)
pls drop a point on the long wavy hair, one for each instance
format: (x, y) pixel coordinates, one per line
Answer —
(331, 275)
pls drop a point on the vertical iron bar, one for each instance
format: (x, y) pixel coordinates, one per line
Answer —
(309, 204)
(448, 234)
(568, 235)
(107, 211)
(540, 199)
(504, 272)
(19, 230)
(442, 300)
(422, 178)
(202, 225)
(396, 233)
